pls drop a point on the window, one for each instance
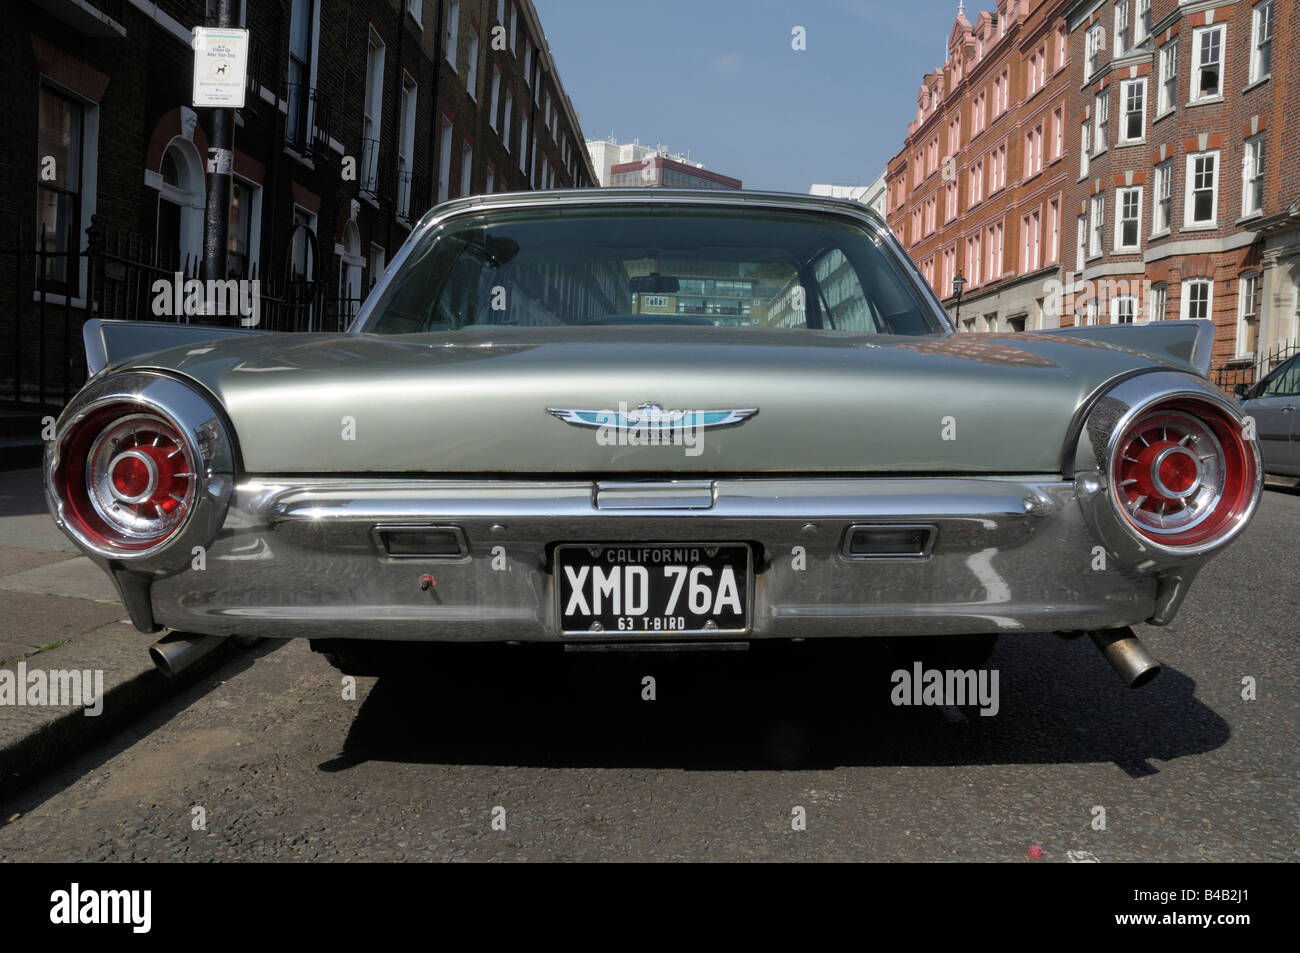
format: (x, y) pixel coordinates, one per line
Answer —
(372, 114)
(1133, 95)
(1197, 294)
(1168, 78)
(1053, 231)
(1123, 308)
(471, 67)
(950, 202)
(1142, 23)
(1085, 147)
(415, 8)
(1247, 313)
(514, 31)
(1202, 203)
(245, 204)
(1092, 44)
(1156, 302)
(303, 264)
(1121, 27)
(1261, 41)
(1034, 151)
(1058, 133)
(1101, 121)
(406, 145)
(1164, 192)
(523, 141)
(496, 96)
(452, 34)
(59, 211)
(975, 193)
(507, 130)
(466, 167)
(1029, 243)
(1207, 70)
(302, 48)
(376, 264)
(1061, 47)
(1097, 224)
(1128, 217)
(1252, 172)
(1081, 243)
(444, 158)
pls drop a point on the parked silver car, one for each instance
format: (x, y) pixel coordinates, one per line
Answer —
(1274, 403)
(637, 417)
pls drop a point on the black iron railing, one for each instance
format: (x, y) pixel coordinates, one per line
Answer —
(1230, 374)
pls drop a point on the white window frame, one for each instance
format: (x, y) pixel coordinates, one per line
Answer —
(1252, 172)
(471, 67)
(446, 131)
(451, 35)
(1185, 306)
(1164, 198)
(1261, 36)
(1157, 302)
(1081, 243)
(1197, 65)
(1101, 122)
(466, 167)
(1142, 22)
(1093, 41)
(1125, 88)
(1121, 194)
(1085, 148)
(1121, 44)
(410, 104)
(1189, 191)
(1116, 304)
(1096, 225)
(1247, 281)
(1168, 93)
(416, 9)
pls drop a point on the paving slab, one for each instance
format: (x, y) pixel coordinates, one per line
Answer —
(14, 559)
(77, 578)
(31, 620)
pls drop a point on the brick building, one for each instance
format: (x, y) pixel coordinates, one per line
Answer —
(359, 116)
(1146, 174)
(1187, 194)
(981, 184)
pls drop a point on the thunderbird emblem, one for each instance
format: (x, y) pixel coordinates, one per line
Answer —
(652, 418)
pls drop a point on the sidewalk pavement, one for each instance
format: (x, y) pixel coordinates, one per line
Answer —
(60, 612)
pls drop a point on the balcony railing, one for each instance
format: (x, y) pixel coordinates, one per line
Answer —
(307, 122)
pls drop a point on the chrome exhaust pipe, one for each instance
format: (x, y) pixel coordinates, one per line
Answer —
(174, 653)
(1127, 655)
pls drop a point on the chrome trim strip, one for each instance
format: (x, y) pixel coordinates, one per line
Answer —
(677, 494)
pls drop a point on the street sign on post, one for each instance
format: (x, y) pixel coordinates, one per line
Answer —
(220, 67)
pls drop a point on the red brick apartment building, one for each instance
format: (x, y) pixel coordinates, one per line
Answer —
(1086, 161)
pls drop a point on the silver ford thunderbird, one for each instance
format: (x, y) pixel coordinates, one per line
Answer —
(632, 419)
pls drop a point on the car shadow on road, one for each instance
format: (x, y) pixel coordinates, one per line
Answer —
(804, 706)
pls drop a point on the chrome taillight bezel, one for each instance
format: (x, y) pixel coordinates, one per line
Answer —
(1111, 421)
(199, 428)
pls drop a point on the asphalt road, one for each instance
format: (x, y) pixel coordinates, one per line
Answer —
(582, 768)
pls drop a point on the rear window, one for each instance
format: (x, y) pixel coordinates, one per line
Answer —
(661, 265)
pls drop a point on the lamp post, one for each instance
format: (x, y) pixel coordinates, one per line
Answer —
(958, 283)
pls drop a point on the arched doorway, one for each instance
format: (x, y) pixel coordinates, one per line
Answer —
(350, 263)
(178, 233)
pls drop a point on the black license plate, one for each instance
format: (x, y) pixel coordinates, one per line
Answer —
(653, 588)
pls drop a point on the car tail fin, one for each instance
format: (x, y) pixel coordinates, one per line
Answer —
(1186, 342)
(112, 342)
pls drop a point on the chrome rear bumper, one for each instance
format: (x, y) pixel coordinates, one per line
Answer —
(303, 559)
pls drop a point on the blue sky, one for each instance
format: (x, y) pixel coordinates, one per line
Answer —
(719, 77)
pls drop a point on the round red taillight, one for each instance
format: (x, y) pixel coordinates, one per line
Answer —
(127, 478)
(1182, 473)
